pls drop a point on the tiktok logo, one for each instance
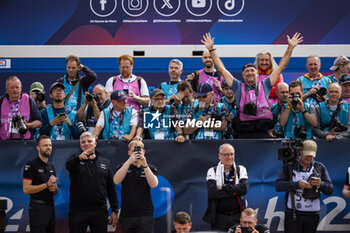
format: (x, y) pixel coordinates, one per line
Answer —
(230, 7)
(103, 8)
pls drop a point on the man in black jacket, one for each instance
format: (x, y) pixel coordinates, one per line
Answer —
(227, 183)
(91, 180)
(303, 190)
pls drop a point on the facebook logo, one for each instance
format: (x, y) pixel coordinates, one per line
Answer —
(103, 4)
(103, 8)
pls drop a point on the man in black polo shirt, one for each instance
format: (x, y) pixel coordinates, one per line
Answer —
(39, 180)
(136, 177)
(91, 180)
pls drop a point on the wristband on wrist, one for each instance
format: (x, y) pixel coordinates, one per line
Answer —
(144, 167)
(47, 186)
(303, 112)
(211, 50)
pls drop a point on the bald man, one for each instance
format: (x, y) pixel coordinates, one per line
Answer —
(332, 116)
(282, 93)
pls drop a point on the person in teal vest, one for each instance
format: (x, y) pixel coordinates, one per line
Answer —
(229, 100)
(333, 120)
(207, 119)
(57, 123)
(282, 93)
(170, 87)
(75, 85)
(345, 87)
(340, 66)
(298, 117)
(313, 81)
(119, 121)
(159, 121)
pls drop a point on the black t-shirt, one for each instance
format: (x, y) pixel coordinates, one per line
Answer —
(136, 193)
(39, 172)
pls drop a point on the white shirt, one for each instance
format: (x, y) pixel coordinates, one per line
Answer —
(133, 120)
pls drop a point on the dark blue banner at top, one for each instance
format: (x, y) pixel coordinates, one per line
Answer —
(173, 22)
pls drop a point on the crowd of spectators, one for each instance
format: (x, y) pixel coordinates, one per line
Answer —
(207, 104)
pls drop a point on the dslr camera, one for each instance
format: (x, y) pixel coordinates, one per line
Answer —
(300, 131)
(295, 98)
(40, 97)
(216, 116)
(18, 120)
(290, 150)
(89, 97)
(250, 108)
(246, 229)
(339, 127)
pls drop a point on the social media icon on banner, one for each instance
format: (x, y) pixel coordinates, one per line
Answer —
(198, 3)
(103, 4)
(230, 4)
(134, 5)
(230, 7)
(167, 4)
(103, 8)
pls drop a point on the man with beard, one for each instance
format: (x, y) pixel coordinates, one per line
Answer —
(170, 87)
(76, 85)
(135, 86)
(56, 122)
(208, 75)
(39, 180)
(252, 96)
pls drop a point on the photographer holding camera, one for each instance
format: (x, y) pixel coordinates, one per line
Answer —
(56, 122)
(91, 181)
(282, 91)
(252, 96)
(205, 109)
(167, 114)
(297, 118)
(136, 177)
(94, 103)
(304, 180)
(332, 116)
(19, 112)
(248, 223)
(37, 92)
(315, 85)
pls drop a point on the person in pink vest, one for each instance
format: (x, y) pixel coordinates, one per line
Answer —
(208, 75)
(255, 118)
(266, 64)
(134, 86)
(20, 115)
(344, 82)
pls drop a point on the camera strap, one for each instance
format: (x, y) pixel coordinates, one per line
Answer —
(335, 114)
(71, 92)
(256, 92)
